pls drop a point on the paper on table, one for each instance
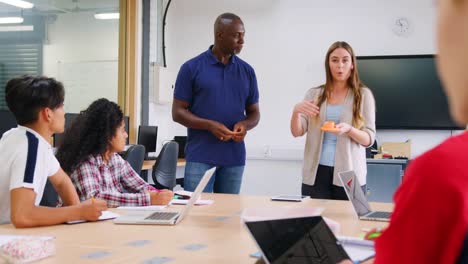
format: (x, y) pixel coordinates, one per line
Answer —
(7, 238)
(357, 248)
(185, 201)
(183, 192)
(106, 215)
(263, 214)
(142, 208)
(198, 202)
(355, 241)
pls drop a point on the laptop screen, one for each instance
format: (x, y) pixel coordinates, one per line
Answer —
(196, 194)
(354, 192)
(297, 240)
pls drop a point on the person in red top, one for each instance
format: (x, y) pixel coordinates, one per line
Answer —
(430, 220)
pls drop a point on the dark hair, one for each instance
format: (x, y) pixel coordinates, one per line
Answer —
(90, 133)
(27, 95)
(225, 19)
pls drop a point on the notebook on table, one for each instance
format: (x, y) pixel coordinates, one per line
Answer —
(106, 215)
(165, 217)
(358, 199)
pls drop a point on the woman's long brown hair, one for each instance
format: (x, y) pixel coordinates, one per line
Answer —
(353, 82)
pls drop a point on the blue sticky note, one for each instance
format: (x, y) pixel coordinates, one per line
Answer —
(138, 243)
(194, 247)
(237, 213)
(223, 218)
(96, 255)
(157, 260)
(256, 254)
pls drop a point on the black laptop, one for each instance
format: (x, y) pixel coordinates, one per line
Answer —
(297, 240)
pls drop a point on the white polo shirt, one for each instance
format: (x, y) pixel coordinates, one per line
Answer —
(26, 160)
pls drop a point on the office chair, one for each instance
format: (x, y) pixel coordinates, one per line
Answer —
(135, 155)
(7, 121)
(164, 169)
(50, 197)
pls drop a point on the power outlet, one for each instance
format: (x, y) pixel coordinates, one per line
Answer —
(266, 151)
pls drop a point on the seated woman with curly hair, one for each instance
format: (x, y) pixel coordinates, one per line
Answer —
(89, 155)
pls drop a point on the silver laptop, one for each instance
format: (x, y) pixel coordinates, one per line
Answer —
(358, 199)
(165, 217)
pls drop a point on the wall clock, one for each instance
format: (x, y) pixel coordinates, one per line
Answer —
(402, 27)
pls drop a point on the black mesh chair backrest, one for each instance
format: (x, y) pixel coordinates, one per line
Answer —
(7, 121)
(135, 155)
(164, 170)
(50, 197)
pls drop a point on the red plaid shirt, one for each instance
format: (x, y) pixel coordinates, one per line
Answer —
(116, 182)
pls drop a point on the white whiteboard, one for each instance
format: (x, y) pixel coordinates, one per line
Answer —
(86, 81)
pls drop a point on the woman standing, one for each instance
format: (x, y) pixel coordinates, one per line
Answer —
(345, 101)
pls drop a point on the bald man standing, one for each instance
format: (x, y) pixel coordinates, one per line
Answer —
(216, 98)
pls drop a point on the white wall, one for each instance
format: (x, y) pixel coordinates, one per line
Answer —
(82, 52)
(286, 42)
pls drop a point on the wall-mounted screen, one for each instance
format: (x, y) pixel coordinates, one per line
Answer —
(407, 91)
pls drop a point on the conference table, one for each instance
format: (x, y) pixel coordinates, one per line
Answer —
(209, 233)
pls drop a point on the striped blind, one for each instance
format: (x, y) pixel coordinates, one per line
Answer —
(16, 60)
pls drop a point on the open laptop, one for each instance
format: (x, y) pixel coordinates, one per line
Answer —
(165, 217)
(357, 197)
(297, 240)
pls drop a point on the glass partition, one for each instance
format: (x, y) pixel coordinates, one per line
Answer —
(74, 41)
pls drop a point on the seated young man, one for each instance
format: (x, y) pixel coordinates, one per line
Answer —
(89, 153)
(27, 159)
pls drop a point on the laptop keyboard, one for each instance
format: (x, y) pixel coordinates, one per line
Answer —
(379, 214)
(161, 216)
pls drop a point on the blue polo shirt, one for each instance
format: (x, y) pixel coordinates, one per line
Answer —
(216, 92)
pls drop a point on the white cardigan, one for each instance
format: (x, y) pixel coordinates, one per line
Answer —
(349, 155)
